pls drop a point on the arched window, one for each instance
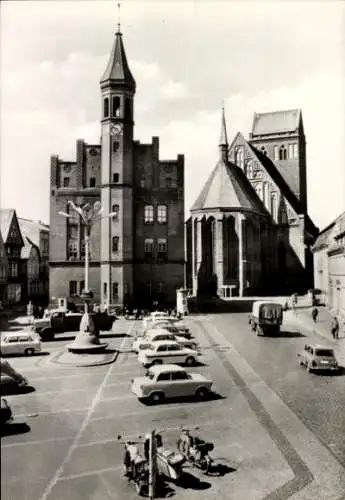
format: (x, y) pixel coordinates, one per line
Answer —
(282, 153)
(162, 214)
(116, 106)
(106, 107)
(274, 206)
(115, 243)
(162, 247)
(239, 157)
(148, 247)
(148, 214)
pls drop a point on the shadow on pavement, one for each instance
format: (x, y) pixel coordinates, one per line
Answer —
(9, 389)
(219, 469)
(339, 373)
(188, 481)
(212, 396)
(114, 335)
(14, 428)
(164, 490)
(34, 355)
(287, 335)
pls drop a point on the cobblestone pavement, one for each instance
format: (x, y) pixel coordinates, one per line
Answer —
(64, 444)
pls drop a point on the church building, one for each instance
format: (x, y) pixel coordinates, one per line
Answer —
(137, 254)
(249, 232)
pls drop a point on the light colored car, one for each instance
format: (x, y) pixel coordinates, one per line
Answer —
(317, 357)
(20, 343)
(165, 351)
(156, 334)
(170, 381)
(177, 328)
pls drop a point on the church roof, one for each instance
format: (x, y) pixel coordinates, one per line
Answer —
(228, 188)
(31, 229)
(117, 69)
(276, 122)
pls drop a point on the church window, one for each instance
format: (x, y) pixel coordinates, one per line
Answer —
(116, 145)
(295, 151)
(128, 109)
(115, 177)
(106, 107)
(115, 292)
(239, 157)
(92, 181)
(274, 206)
(263, 151)
(148, 214)
(162, 214)
(290, 151)
(276, 153)
(66, 181)
(115, 212)
(282, 153)
(116, 106)
(115, 243)
(148, 247)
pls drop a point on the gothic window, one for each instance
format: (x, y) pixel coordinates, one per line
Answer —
(295, 152)
(162, 214)
(116, 106)
(239, 157)
(115, 211)
(266, 195)
(115, 292)
(276, 153)
(115, 146)
(274, 206)
(128, 109)
(162, 247)
(106, 107)
(115, 243)
(263, 151)
(66, 181)
(72, 288)
(115, 178)
(258, 189)
(249, 169)
(148, 247)
(282, 153)
(148, 214)
(92, 181)
(290, 149)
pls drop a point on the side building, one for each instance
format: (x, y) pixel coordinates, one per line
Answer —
(137, 254)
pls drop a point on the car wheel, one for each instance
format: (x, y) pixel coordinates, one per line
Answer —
(157, 362)
(201, 393)
(156, 397)
(29, 352)
(190, 361)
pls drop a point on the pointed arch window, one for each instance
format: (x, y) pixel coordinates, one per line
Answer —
(258, 189)
(106, 107)
(116, 103)
(276, 152)
(266, 195)
(274, 206)
(282, 153)
(249, 169)
(239, 157)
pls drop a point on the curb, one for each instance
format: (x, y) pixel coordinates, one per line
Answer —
(56, 359)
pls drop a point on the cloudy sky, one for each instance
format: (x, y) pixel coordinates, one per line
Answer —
(186, 58)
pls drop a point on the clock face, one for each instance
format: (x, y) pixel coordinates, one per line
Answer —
(115, 129)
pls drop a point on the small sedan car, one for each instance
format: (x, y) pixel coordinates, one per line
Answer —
(20, 343)
(170, 381)
(156, 334)
(165, 351)
(317, 358)
(177, 328)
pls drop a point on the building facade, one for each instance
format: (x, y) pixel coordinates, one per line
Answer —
(249, 231)
(30, 271)
(3, 271)
(329, 264)
(13, 242)
(137, 254)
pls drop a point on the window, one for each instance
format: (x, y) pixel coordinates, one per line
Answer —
(162, 247)
(266, 194)
(115, 177)
(276, 152)
(115, 292)
(162, 348)
(148, 214)
(115, 210)
(274, 206)
(163, 377)
(66, 181)
(82, 250)
(295, 152)
(92, 182)
(258, 189)
(72, 288)
(105, 289)
(179, 376)
(116, 106)
(72, 251)
(282, 153)
(81, 286)
(106, 107)
(148, 246)
(239, 157)
(290, 149)
(115, 146)
(11, 340)
(162, 214)
(249, 169)
(115, 243)
(13, 268)
(263, 151)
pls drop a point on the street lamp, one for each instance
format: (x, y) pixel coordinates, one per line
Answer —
(87, 340)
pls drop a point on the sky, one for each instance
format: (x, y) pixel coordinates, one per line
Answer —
(187, 58)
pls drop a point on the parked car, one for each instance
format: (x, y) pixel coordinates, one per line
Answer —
(20, 343)
(10, 376)
(6, 415)
(176, 327)
(317, 358)
(61, 321)
(157, 334)
(266, 317)
(170, 381)
(165, 351)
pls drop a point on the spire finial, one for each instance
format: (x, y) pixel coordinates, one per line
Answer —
(118, 17)
(223, 135)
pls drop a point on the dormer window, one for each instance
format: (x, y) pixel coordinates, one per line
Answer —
(116, 106)
(106, 107)
(282, 153)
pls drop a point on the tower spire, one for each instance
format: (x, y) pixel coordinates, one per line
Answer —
(118, 17)
(223, 141)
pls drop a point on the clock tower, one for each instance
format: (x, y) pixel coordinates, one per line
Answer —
(117, 91)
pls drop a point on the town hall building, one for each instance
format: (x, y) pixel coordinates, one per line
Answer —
(249, 232)
(137, 254)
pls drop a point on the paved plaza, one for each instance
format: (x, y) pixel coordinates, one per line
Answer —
(278, 431)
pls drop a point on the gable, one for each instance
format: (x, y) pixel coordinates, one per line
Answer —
(14, 236)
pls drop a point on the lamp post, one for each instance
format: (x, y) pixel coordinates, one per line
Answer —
(87, 340)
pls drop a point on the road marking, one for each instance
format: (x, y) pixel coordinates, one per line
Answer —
(84, 425)
(44, 413)
(43, 441)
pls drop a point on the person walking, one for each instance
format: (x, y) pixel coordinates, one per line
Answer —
(314, 314)
(335, 328)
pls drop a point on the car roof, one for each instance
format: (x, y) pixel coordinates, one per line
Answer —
(163, 368)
